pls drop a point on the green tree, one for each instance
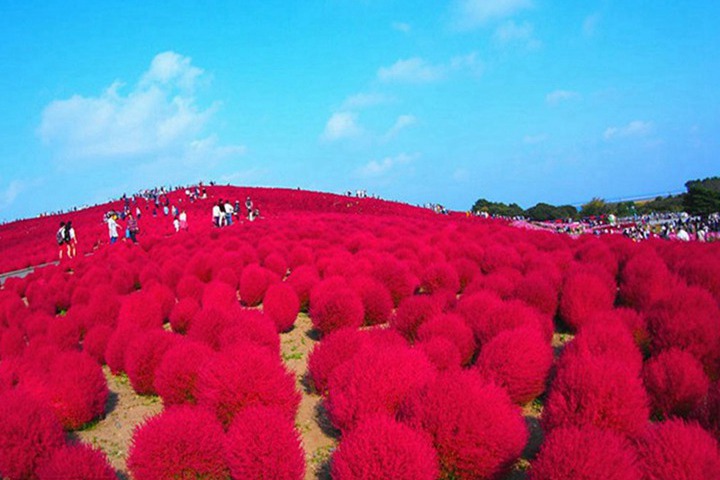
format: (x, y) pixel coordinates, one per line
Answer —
(595, 207)
(498, 208)
(701, 201)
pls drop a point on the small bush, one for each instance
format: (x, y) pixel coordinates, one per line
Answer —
(281, 305)
(252, 326)
(336, 348)
(453, 327)
(675, 382)
(380, 447)
(376, 299)
(177, 374)
(412, 313)
(181, 442)
(441, 352)
(440, 276)
(77, 462)
(144, 355)
(182, 314)
(262, 443)
(582, 295)
(254, 282)
(96, 340)
(334, 306)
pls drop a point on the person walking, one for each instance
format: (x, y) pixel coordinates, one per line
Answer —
(132, 227)
(113, 228)
(60, 238)
(183, 220)
(71, 240)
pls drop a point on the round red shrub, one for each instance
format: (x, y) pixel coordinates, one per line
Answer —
(380, 447)
(586, 453)
(303, 279)
(116, 347)
(252, 326)
(65, 332)
(375, 380)
(177, 374)
(140, 310)
(441, 352)
(675, 450)
(475, 428)
(144, 354)
(277, 264)
(518, 360)
(466, 271)
(281, 305)
(264, 381)
(227, 276)
(12, 342)
(506, 315)
(538, 291)
(334, 349)
(703, 270)
(675, 382)
(376, 299)
(582, 295)
(29, 433)
(263, 443)
(606, 337)
(189, 286)
(335, 305)
(689, 319)
(181, 442)
(440, 276)
(299, 255)
(594, 390)
(211, 323)
(500, 256)
(183, 313)
(163, 296)
(96, 341)
(412, 313)
(708, 411)
(453, 327)
(644, 280)
(254, 282)
(218, 295)
(77, 462)
(396, 277)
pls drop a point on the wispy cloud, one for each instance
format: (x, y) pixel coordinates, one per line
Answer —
(412, 70)
(470, 14)
(159, 116)
(365, 100)
(511, 33)
(636, 128)
(341, 125)
(402, 122)
(558, 96)
(401, 27)
(381, 168)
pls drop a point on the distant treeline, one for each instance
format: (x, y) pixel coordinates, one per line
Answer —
(702, 198)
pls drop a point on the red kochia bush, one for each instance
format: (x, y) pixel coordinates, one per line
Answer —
(413, 312)
(582, 295)
(440, 276)
(675, 450)
(376, 299)
(396, 277)
(182, 314)
(210, 324)
(607, 337)
(144, 355)
(243, 377)
(262, 443)
(375, 380)
(688, 318)
(453, 327)
(475, 428)
(96, 340)
(503, 316)
(281, 305)
(181, 442)
(303, 279)
(189, 286)
(586, 453)
(176, 376)
(538, 291)
(218, 295)
(441, 352)
(380, 447)
(599, 391)
(29, 433)
(708, 412)
(77, 462)
(336, 348)
(518, 360)
(675, 382)
(644, 280)
(254, 327)
(116, 347)
(140, 310)
(333, 306)
(254, 282)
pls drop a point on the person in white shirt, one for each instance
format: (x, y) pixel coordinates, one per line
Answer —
(113, 228)
(216, 215)
(228, 213)
(183, 220)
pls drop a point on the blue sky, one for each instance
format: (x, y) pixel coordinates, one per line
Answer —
(417, 101)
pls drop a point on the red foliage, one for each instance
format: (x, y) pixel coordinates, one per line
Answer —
(501, 316)
(336, 348)
(518, 360)
(334, 305)
(675, 382)
(644, 280)
(29, 433)
(675, 450)
(375, 380)
(281, 305)
(376, 299)
(77, 462)
(303, 279)
(163, 296)
(582, 295)
(708, 412)
(453, 327)
(143, 357)
(12, 342)
(605, 336)
(276, 263)
(65, 332)
(396, 277)
(380, 447)
(254, 282)
(189, 286)
(211, 323)
(262, 443)
(181, 442)
(183, 313)
(598, 391)
(441, 352)
(689, 319)
(538, 291)
(218, 295)
(703, 270)
(254, 327)
(440, 276)
(412, 313)
(116, 347)
(264, 381)
(475, 428)
(140, 310)
(176, 375)
(586, 453)
(466, 270)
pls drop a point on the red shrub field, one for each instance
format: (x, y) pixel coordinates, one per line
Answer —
(347, 338)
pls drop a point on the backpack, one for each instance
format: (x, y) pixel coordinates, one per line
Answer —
(66, 234)
(60, 236)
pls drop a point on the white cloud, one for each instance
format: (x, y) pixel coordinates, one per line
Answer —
(535, 139)
(469, 62)
(413, 70)
(636, 128)
(365, 100)
(590, 24)
(510, 32)
(380, 168)
(402, 122)
(159, 116)
(469, 14)
(401, 27)
(341, 125)
(559, 96)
